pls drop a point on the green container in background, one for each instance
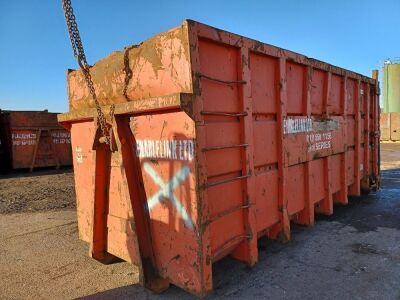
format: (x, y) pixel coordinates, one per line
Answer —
(391, 86)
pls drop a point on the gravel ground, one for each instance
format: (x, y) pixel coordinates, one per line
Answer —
(354, 254)
(38, 191)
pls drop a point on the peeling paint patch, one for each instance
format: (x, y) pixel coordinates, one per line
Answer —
(302, 124)
(79, 155)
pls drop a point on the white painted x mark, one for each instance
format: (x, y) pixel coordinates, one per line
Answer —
(167, 191)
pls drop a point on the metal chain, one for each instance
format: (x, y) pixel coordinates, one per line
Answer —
(80, 56)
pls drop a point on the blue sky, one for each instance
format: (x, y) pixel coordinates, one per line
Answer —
(35, 51)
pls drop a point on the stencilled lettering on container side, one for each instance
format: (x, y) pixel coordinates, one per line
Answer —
(318, 131)
(61, 137)
(165, 149)
(297, 125)
(319, 141)
(175, 150)
(23, 139)
(29, 139)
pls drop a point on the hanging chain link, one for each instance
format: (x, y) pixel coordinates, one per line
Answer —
(80, 56)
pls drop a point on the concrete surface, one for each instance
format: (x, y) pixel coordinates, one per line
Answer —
(354, 254)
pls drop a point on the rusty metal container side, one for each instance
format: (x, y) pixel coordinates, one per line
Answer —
(395, 126)
(384, 125)
(4, 162)
(34, 139)
(220, 140)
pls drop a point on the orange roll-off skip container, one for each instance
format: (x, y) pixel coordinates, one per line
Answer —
(218, 141)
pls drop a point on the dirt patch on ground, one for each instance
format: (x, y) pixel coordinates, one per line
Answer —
(38, 191)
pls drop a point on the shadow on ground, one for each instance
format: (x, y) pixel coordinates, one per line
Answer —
(20, 173)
